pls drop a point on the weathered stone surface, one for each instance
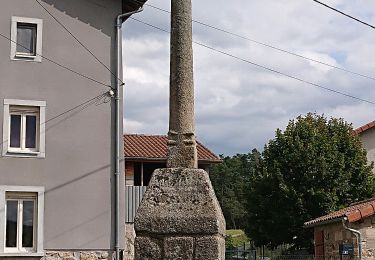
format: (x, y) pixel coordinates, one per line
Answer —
(179, 248)
(77, 255)
(148, 249)
(180, 201)
(69, 258)
(182, 150)
(104, 255)
(88, 256)
(129, 242)
(210, 248)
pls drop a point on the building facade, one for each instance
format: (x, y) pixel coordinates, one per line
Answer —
(367, 135)
(56, 166)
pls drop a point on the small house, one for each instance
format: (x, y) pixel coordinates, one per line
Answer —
(346, 232)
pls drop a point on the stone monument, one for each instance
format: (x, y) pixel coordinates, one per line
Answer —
(180, 217)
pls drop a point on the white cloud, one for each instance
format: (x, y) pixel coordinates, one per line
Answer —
(238, 105)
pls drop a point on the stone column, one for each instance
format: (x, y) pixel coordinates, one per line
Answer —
(182, 151)
(179, 217)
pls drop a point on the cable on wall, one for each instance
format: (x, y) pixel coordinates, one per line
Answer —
(58, 64)
(76, 38)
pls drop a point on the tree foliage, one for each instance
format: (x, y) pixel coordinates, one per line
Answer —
(229, 180)
(313, 167)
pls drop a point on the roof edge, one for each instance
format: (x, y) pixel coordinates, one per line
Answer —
(364, 128)
(132, 5)
(158, 159)
(321, 223)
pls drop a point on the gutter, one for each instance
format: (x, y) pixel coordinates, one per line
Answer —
(117, 134)
(356, 233)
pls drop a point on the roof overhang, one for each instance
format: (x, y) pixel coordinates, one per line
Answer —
(321, 223)
(364, 128)
(132, 5)
(151, 159)
(366, 209)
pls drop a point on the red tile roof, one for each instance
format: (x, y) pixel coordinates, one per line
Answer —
(354, 212)
(364, 128)
(154, 147)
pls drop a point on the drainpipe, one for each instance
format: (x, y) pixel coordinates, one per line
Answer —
(118, 135)
(357, 234)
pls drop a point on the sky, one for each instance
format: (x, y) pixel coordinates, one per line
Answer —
(239, 106)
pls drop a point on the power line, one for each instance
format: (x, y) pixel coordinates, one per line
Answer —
(271, 46)
(264, 67)
(58, 64)
(86, 104)
(345, 14)
(82, 106)
(84, 46)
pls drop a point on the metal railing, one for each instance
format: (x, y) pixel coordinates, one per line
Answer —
(297, 257)
(133, 198)
(238, 253)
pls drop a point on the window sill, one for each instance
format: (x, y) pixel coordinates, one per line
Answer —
(22, 254)
(23, 154)
(26, 58)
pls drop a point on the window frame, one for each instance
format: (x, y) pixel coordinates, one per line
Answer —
(15, 191)
(14, 55)
(18, 196)
(40, 107)
(27, 112)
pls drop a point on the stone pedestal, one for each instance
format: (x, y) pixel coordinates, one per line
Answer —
(180, 218)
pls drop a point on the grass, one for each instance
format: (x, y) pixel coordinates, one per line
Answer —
(237, 237)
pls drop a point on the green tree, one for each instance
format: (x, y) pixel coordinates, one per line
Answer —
(229, 181)
(313, 167)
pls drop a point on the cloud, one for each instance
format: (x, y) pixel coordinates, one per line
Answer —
(239, 105)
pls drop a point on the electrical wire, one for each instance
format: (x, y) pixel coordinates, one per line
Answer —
(84, 46)
(263, 67)
(76, 109)
(345, 14)
(270, 46)
(91, 101)
(58, 64)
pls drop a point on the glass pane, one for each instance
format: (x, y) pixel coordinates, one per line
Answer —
(11, 228)
(28, 224)
(26, 36)
(15, 131)
(30, 131)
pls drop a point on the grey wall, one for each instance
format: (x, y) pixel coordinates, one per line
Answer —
(76, 172)
(368, 141)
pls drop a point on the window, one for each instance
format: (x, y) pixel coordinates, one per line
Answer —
(21, 220)
(26, 36)
(24, 127)
(26, 39)
(23, 124)
(20, 215)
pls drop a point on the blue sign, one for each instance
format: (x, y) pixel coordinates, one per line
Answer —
(346, 249)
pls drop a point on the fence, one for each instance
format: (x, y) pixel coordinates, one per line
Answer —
(133, 197)
(240, 254)
(296, 257)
